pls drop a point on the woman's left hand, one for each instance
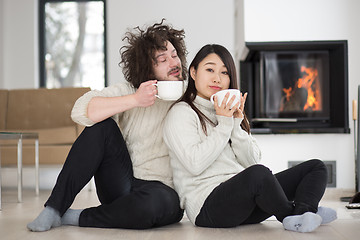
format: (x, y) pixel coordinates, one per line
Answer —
(225, 108)
(239, 111)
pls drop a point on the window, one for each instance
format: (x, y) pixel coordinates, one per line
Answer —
(72, 43)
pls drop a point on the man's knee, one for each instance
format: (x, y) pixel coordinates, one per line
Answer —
(108, 123)
(107, 127)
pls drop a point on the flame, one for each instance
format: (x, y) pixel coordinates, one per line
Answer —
(288, 93)
(309, 82)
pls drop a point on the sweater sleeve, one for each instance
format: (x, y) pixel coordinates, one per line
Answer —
(185, 138)
(79, 111)
(244, 146)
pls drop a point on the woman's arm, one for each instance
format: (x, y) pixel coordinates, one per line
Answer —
(244, 146)
(185, 138)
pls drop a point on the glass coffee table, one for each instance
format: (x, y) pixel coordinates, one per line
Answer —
(19, 136)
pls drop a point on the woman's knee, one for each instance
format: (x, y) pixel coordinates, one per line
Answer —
(260, 175)
(317, 165)
(320, 166)
(259, 170)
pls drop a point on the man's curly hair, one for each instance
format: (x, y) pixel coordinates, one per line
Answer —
(138, 56)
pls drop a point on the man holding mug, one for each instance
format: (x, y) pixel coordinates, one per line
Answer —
(122, 144)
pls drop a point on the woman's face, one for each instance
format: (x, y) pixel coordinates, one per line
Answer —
(211, 76)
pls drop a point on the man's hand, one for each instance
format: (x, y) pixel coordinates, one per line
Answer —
(145, 94)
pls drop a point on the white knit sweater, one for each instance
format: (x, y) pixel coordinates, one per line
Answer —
(201, 162)
(141, 129)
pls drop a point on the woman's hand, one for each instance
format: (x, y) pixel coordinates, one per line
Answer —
(239, 111)
(225, 108)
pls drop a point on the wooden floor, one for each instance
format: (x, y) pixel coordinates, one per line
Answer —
(14, 217)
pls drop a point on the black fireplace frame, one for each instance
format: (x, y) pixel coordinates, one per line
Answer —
(250, 70)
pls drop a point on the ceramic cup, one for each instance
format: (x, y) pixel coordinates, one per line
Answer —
(170, 90)
(221, 94)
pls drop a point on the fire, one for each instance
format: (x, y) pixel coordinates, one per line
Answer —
(310, 83)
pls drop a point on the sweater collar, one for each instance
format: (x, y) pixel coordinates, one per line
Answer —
(204, 103)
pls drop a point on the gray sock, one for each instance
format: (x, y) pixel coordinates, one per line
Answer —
(71, 217)
(48, 218)
(327, 214)
(306, 222)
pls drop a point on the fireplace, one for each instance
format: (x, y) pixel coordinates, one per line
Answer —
(296, 87)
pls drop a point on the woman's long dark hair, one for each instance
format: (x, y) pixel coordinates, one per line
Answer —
(191, 92)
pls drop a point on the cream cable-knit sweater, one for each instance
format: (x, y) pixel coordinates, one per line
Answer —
(199, 162)
(141, 129)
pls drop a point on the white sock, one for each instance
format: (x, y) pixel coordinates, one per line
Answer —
(48, 218)
(306, 222)
(71, 217)
(327, 214)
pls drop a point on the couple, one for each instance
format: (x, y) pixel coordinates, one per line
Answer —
(211, 153)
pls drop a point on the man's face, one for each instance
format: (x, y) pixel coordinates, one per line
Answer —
(168, 64)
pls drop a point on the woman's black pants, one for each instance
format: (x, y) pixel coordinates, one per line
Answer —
(255, 194)
(126, 202)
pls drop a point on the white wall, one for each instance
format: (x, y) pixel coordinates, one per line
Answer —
(210, 21)
(19, 44)
(201, 19)
(204, 21)
(1, 44)
(290, 20)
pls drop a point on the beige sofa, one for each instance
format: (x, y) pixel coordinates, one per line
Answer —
(45, 111)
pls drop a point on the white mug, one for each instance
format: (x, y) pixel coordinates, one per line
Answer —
(221, 94)
(170, 90)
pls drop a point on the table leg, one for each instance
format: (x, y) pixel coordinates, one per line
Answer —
(0, 181)
(19, 175)
(37, 167)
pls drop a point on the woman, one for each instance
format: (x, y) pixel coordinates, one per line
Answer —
(214, 159)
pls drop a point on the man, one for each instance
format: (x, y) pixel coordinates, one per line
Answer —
(122, 145)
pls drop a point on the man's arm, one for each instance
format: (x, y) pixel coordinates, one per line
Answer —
(101, 108)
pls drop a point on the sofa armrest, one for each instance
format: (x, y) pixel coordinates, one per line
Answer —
(3, 108)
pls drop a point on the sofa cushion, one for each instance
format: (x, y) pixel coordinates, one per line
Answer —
(45, 111)
(41, 108)
(64, 135)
